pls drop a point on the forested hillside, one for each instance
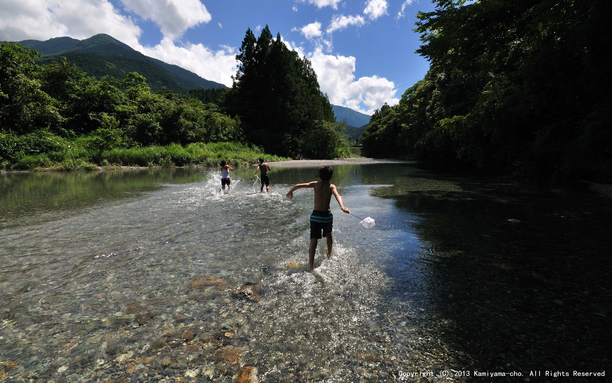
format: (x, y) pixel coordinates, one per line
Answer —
(102, 55)
(519, 88)
(55, 116)
(356, 122)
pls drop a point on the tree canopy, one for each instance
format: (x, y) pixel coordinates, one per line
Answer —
(62, 99)
(518, 88)
(277, 97)
(59, 100)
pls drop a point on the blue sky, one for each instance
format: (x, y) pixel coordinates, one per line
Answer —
(362, 51)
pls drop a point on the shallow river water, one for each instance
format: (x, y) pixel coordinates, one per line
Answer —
(157, 275)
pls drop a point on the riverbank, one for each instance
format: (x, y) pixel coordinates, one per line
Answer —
(69, 157)
(234, 162)
(319, 163)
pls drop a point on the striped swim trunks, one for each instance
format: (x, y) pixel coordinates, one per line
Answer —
(321, 221)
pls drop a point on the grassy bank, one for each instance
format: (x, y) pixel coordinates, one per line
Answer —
(50, 152)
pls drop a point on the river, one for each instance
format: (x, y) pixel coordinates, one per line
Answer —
(158, 275)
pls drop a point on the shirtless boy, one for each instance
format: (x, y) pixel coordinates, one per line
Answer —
(321, 218)
(265, 179)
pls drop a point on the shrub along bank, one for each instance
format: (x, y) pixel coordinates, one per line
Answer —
(44, 150)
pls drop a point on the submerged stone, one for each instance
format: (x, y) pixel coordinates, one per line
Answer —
(250, 291)
(208, 281)
(228, 355)
(144, 318)
(246, 374)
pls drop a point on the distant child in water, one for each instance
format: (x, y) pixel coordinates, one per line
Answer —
(321, 219)
(225, 178)
(265, 179)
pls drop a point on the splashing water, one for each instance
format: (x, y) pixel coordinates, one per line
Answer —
(114, 285)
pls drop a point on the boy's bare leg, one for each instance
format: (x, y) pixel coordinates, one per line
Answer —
(330, 242)
(311, 252)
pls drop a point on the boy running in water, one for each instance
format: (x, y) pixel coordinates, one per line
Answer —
(321, 218)
(264, 167)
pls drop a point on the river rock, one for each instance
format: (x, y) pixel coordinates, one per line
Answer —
(135, 308)
(188, 336)
(192, 373)
(159, 343)
(293, 265)
(208, 281)
(234, 322)
(144, 318)
(8, 365)
(208, 372)
(246, 374)
(192, 349)
(368, 357)
(249, 291)
(228, 355)
(166, 362)
(124, 357)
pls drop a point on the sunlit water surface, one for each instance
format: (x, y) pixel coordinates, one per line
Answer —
(76, 277)
(138, 275)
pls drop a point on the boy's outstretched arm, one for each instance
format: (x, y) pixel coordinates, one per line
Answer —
(300, 186)
(339, 199)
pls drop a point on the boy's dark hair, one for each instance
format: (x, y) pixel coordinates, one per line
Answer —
(261, 160)
(223, 163)
(326, 173)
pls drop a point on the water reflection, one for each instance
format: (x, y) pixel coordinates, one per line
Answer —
(43, 196)
(518, 276)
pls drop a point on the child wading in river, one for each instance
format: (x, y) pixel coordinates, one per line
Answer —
(265, 179)
(321, 218)
(225, 178)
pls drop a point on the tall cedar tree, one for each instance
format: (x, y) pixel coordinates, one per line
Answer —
(277, 97)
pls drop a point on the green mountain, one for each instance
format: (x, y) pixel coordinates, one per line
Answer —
(350, 116)
(50, 47)
(103, 55)
(357, 122)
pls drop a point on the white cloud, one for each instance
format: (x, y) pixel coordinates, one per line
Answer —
(216, 66)
(323, 3)
(220, 25)
(402, 11)
(336, 76)
(338, 23)
(376, 8)
(311, 30)
(173, 17)
(44, 19)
